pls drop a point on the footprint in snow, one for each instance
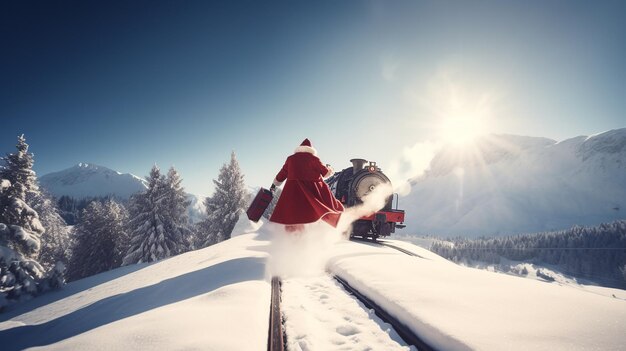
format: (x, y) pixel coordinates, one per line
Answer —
(347, 330)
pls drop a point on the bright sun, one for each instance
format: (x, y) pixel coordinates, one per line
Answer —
(462, 129)
(461, 111)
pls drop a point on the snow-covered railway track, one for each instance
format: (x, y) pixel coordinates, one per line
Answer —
(384, 243)
(319, 313)
(403, 331)
(316, 313)
(275, 341)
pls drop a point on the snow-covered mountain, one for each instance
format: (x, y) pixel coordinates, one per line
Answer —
(507, 184)
(90, 180)
(196, 210)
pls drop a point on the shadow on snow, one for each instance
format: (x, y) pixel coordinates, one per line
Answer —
(134, 302)
(70, 289)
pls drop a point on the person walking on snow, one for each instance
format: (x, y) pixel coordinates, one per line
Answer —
(306, 198)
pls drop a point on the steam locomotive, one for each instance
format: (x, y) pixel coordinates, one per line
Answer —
(352, 184)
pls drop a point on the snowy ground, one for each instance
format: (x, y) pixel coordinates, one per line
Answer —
(218, 299)
(320, 315)
(515, 267)
(200, 300)
(421, 241)
(459, 308)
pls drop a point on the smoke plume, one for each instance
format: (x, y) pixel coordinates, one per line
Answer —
(306, 252)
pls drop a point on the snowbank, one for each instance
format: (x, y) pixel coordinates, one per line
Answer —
(218, 299)
(459, 308)
(245, 226)
(206, 299)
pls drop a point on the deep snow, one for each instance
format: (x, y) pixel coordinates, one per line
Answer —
(320, 315)
(218, 298)
(200, 300)
(507, 184)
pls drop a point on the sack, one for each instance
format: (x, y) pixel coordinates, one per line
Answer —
(260, 203)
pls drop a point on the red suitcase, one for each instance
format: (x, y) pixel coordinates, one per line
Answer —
(259, 204)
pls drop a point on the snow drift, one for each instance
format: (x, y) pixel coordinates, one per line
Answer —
(218, 298)
(506, 184)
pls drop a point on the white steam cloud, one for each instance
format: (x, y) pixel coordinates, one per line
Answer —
(413, 162)
(372, 202)
(302, 253)
(305, 253)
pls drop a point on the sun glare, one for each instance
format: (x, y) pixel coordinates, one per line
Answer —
(462, 130)
(461, 109)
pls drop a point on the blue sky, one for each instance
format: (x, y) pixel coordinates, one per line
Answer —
(127, 84)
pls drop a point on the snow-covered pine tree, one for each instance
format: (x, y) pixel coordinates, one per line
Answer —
(18, 170)
(176, 218)
(20, 228)
(100, 239)
(55, 241)
(150, 238)
(225, 206)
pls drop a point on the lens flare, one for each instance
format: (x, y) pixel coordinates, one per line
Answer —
(462, 130)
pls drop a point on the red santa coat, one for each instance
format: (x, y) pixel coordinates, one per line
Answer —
(305, 197)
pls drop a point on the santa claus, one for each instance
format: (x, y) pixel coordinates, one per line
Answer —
(305, 198)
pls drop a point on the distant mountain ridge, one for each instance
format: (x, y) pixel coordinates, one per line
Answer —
(88, 180)
(508, 184)
(91, 180)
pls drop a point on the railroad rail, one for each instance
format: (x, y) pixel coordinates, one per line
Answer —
(275, 340)
(405, 333)
(384, 243)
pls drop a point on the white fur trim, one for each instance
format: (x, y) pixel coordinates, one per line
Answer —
(307, 149)
(276, 182)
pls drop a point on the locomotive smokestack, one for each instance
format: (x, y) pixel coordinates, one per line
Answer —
(357, 164)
